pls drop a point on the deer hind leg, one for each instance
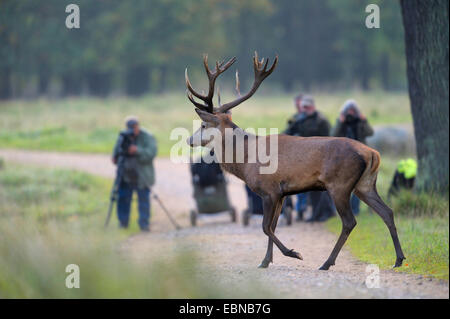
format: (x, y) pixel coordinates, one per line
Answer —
(270, 205)
(269, 254)
(370, 197)
(342, 202)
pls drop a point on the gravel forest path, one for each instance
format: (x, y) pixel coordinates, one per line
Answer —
(232, 251)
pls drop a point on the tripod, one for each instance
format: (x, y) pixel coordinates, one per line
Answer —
(115, 188)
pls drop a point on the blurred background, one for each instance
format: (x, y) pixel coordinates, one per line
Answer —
(138, 47)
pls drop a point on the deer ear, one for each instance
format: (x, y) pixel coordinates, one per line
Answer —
(207, 117)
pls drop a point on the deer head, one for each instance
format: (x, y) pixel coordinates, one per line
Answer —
(219, 118)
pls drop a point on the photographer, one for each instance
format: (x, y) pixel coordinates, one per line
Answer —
(310, 122)
(352, 124)
(292, 129)
(135, 150)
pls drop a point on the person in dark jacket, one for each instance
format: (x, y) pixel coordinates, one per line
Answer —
(298, 114)
(138, 176)
(352, 124)
(311, 122)
(302, 198)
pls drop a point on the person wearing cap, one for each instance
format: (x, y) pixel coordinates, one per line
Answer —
(139, 174)
(352, 124)
(298, 114)
(310, 122)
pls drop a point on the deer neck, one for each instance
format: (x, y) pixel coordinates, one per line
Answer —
(234, 157)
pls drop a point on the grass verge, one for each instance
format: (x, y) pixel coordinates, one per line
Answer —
(92, 125)
(53, 218)
(424, 239)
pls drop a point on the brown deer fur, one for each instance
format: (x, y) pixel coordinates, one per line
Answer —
(339, 165)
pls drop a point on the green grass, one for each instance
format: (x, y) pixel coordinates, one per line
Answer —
(424, 241)
(52, 218)
(91, 125)
(49, 194)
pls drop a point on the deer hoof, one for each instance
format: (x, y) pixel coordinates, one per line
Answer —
(325, 266)
(264, 264)
(398, 262)
(292, 253)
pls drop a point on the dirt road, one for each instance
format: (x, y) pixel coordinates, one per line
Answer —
(234, 251)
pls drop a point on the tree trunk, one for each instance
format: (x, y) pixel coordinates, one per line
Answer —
(71, 84)
(5, 83)
(384, 72)
(163, 71)
(363, 66)
(43, 78)
(138, 80)
(426, 39)
(99, 83)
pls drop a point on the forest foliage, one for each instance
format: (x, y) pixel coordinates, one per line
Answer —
(140, 46)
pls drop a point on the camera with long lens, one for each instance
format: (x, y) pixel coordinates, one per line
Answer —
(126, 139)
(349, 118)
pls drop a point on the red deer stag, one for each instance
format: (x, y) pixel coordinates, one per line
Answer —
(339, 165)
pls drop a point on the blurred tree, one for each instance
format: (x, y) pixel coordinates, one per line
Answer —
(141, 46)
(427, 43)
(7, 49)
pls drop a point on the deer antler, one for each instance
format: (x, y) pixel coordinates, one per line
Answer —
(212, 76)
(261, 73)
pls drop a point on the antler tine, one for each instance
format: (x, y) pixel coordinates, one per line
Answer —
(190, 88)
(212, 76)
(218, 96)
(217, 71)
(274, 64)
(238, 84)
(265, 65)
(220, 68)
(221, 63)
(199, 105)
(261, 73)
(205, 64)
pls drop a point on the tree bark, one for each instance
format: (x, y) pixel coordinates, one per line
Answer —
(426, 41)
(99, 83)
(43, 78)
(163, 72)
(138, 80)
(71, 84)
(5, 83)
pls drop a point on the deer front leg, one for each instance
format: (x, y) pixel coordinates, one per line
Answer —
(269, 254)
(270, 206)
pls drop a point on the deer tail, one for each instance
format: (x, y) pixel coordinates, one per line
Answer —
(375, 162)
(369, 176)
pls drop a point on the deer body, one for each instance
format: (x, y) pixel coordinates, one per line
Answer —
(339, 165)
